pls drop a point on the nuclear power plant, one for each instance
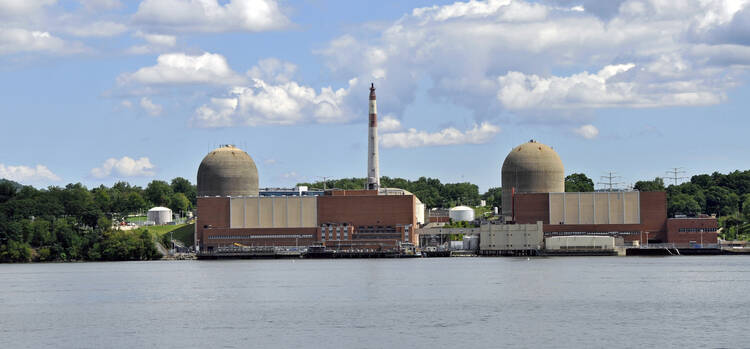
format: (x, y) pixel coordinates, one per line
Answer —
(236, 219)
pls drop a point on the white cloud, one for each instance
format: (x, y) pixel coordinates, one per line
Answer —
(211, 15)
(158, 39)
(25, 174)
(23, 7)
(155, 43)
(265, 103)
(388, 124)
(181, 68)
(97, 29)
(98, 5)
(124, 167)
(450, 136)
(290, 175)
(272, 69)
(150, 107)
(606, 88)
(15, 40)
(478, 55)
(587, 131)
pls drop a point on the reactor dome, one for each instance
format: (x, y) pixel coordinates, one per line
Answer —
(531, 168)
(227, 171)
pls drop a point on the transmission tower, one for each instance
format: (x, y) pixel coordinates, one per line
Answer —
(675, 173)
(609, 180)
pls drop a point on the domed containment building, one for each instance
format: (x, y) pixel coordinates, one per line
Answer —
(227, 171)
(531, 168)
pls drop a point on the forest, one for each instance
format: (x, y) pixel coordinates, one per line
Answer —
(74, 223)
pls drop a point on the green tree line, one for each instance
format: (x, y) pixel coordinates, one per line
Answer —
(75, 223)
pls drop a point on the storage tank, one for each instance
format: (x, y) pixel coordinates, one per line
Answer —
(471, 242)
(227, 171)
(159, 215)
(531, 168)
(461, 214)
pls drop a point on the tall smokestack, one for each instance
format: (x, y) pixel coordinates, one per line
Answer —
(373, 170)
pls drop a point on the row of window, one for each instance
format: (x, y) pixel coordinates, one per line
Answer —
(696, 230)
(250, 237)
(594, 233)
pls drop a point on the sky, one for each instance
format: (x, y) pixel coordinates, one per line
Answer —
(100, 91)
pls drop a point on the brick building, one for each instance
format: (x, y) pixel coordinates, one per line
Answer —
(634, 216)
(342, 219)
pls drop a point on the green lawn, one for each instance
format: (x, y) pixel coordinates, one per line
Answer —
(185, 233)
(135, 219)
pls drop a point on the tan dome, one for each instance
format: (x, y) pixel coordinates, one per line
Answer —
(531, 167)
(227, 171)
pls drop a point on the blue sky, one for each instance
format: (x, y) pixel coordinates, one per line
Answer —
(97, 91)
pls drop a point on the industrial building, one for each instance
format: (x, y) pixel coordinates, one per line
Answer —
(233, 212)
(536, 211)
(534, 191)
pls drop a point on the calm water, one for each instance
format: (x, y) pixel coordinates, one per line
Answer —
(417, 303)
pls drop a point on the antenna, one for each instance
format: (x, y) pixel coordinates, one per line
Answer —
(675, 172)
(610, 183)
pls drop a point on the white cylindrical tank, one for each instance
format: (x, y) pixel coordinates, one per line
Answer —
(471, 242)
(159, 215)
(461, 214)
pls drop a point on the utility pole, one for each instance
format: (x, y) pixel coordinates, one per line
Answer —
(674, 174)
(324, 181)
(609, 180)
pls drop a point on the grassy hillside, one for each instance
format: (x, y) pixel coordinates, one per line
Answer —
(185, 234)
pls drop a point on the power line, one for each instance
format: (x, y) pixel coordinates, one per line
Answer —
(675, 172)
(610, 183)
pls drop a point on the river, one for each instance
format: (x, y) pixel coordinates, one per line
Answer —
(564, 302)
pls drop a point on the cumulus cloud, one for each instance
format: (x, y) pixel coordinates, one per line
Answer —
(23, 7)
(268, 103)
(603, 89)
(96, 29)
(388, 124)
(211, 15)
(450, 136)
(15, 40)
(522, 56)
(154, 43)
(181, 68)
(26, 174)
(272, 69)
(99, 5)
(587, 131)
(150, 107)
(124, 167)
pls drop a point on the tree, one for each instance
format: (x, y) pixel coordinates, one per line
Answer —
(656, 185)
(182, 185)
(135, 202)
(683, 204)
(494, 197)
(578, 182)
(158, 193)
(8, 189)
(179, 202)
(721, 201)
